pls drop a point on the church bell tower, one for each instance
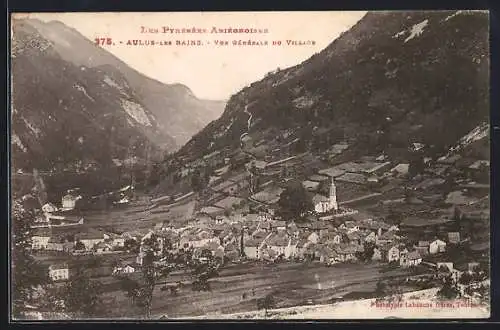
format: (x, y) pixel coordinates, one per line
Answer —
(333, 197)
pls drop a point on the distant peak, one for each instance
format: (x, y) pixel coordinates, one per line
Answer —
(183, 88)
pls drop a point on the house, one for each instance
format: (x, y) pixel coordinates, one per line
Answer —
(127, 268)
(310, 251)
(253, 248)
(231, 252)
(437, 246)
(334, 238)
(472, 266)
(302, 245)
(328, 256)
(49, 208)
(114, 239)
(411, 259)
(350, 226)
(313, 238)
(480, 164)
(40, 242)
(55, 244)
(371, 237)
(424, 244)
(102, 247)
(269, 254)
(279, 244)
(69, 201)
(453, 237)
(386, 238)
(403, 252)
(59, 272)
(264, 226)
(216, 249)
(354, 237)
(90, 239)
(416, 146)
(391, 253)
(346, 253)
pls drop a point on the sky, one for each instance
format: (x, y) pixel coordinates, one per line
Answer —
(211, 71)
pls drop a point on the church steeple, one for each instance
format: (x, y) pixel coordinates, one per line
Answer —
(333, 197)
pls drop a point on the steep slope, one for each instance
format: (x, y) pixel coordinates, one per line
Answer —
(73, 117)
(394, 78)
(179, 112)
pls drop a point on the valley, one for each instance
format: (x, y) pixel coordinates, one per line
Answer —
(363, 172)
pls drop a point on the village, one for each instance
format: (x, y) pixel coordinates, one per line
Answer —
(235, 219)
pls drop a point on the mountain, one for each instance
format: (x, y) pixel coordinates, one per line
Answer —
(68, 116)
(393, 79)
(177, 110)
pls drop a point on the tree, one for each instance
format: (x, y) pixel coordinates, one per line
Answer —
(27, 273)
(367, 253)
(266, 303)
(294, 202)
(79, 246)
(82, 296)
(198, 181)
(465, 278)
(202, 272)
(131, 245)
(448, 290)
(140, 291)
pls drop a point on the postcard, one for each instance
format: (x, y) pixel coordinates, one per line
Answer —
(250, 165)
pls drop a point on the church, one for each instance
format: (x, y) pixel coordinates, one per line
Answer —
(324, 204)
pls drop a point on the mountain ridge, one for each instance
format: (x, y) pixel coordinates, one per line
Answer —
(176, 107)
(372, 79)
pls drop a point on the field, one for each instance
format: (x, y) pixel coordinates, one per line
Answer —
(368, 309)
(291, 284)
(134, 217)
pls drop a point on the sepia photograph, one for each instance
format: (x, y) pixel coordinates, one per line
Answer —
(250, 165)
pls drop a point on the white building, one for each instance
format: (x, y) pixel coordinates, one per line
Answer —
(69, 201)
(411, 259)
(437, 246)
(49, 208)
(322, 205)
(59, 272)
(127, 269)
(39, 242)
